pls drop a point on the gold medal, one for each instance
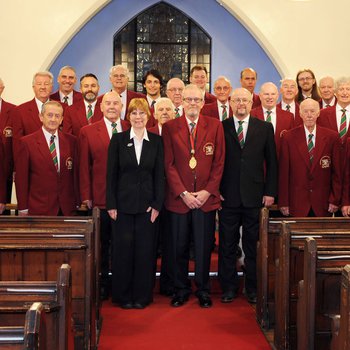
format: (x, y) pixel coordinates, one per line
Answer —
(193, 162)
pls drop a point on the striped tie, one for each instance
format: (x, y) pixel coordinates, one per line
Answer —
(342, 129)
(311, 147)
(89, 114)
(53, 151)
(224, 112)
(177, 114)
(240, 133)
(114, 128)
(192, 125)
(288, 108)
(268, 118)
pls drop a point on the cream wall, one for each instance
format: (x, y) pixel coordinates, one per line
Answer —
(295, 34)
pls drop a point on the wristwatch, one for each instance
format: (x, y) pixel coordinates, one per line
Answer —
(183, 194)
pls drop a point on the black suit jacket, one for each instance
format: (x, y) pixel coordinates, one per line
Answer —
(132, 188)
(250, 172)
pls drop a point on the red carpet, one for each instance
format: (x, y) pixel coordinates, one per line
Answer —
(160, 326)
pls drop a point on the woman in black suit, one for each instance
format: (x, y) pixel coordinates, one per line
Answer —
(135, 193)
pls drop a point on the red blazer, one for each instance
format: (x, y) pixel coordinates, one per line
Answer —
(212, 110)
(328, 119)
(3, 183)
(346, 177)
(93, 151)
(210, 156)
(297, 118)
(209, 98)
(284, 122)
(6, 136)
(75, 117)
(303, 186)
(154, 129)
(256, 101)
(39, 187)
(77, 96)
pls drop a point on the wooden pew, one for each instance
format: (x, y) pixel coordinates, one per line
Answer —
(289, 271)
(55, 296)
(32, 248)
(30, 337)
(319, 295)
(268, 252)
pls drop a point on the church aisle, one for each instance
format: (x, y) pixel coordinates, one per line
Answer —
(224, 326)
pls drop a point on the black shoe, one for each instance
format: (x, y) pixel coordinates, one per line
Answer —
(251, 297)
(178, 300)
(127, 305)
(228, 296)
(204, 301)
(139, 306)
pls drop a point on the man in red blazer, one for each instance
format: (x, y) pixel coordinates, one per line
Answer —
(6, 140)
(93, 149)
(220, 109)
(280, 119)
(86, 111)
(25, 117)
(194, 154)
(163, 112)
(199, 77)
(248, 81)
(66, 80)
(309, 167)
(331, 117)
(289, 90)
(45, 168)
(174, 90)
(326, 88)
(119, 78)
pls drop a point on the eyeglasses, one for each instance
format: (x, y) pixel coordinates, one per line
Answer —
(305, 79)
(244, 101)
(193, 99)
(222, 88)
(121, 76)
(176, 90)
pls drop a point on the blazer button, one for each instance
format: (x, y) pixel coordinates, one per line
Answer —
(310, 190)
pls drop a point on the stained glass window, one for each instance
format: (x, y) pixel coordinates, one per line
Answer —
(161, 38)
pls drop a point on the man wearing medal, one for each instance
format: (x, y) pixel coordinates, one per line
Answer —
(194, 160)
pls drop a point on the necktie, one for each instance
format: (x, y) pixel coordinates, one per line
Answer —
(288, 108)
(342, 129)
(114, 128)
(53, 151)
(153, 103)
(65, 100)
(268, 118)
(240, 133)
(192, 125)
(224, 112)
(177, 114)
(89, 114)
(328, 106)
(311, 147)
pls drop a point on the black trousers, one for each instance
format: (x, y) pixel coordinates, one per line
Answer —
(229, 235)
(105, 238)
(180, 227)
(133, 261)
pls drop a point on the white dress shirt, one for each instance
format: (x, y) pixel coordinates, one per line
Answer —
(110, 127)
(244, 125)
(138, 143)
(273, 117)
(339, 113)
(70, 97)
(220, 109)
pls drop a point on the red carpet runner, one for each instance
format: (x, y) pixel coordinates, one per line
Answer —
(160, 326)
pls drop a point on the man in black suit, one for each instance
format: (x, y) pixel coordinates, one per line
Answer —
(249, 182)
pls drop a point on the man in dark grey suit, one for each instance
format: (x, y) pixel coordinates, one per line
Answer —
(249, 182)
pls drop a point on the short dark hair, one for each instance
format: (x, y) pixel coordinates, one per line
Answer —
(88, 75)
(199, 67)
(155, 73)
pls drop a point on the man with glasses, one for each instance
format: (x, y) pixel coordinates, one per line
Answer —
(249, 182)
(194, 157)
(220, 109)
(119, 78)
(174, 90)
(307, 85)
